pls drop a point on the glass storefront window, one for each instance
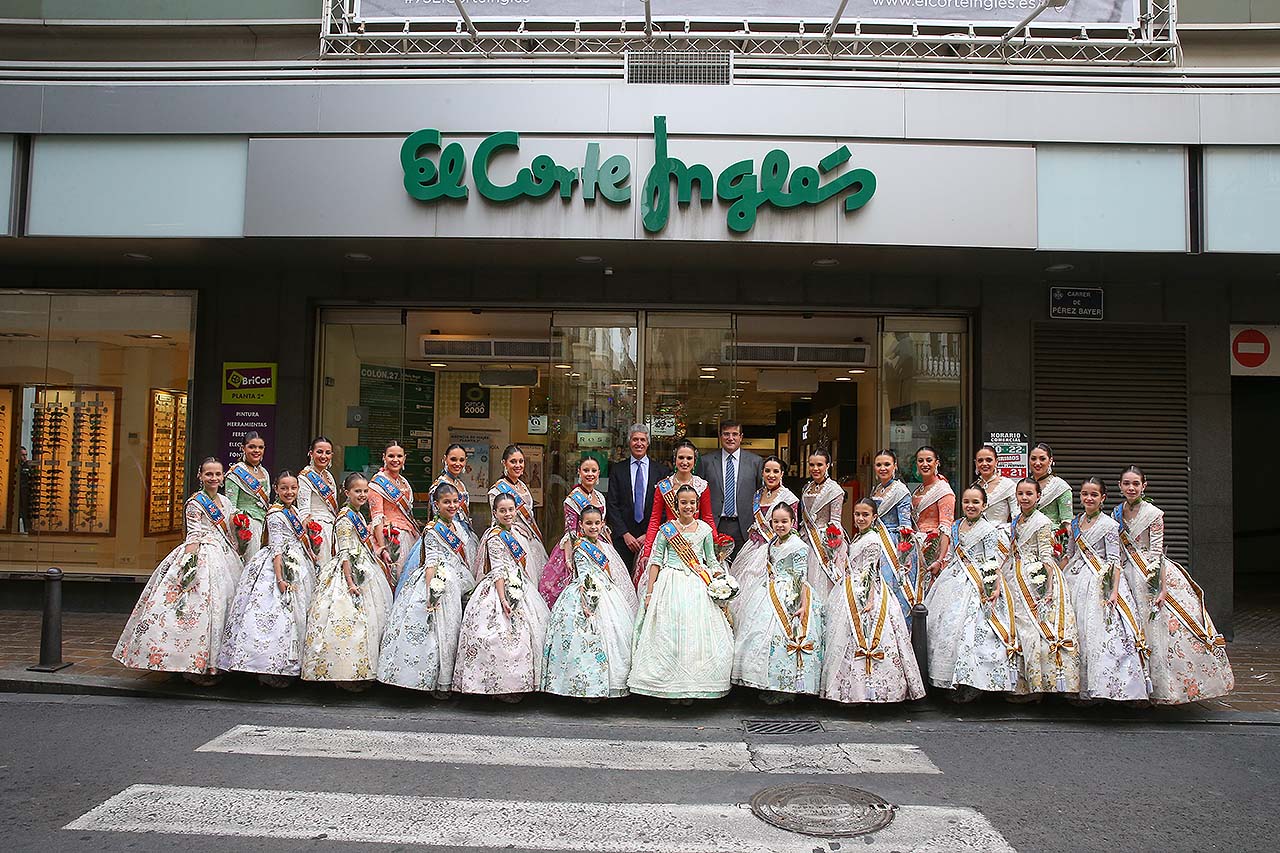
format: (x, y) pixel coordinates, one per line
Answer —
(689, 384)
(923, 380)
(93, 425)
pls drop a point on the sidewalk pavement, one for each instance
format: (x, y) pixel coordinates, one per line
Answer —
(88, 640)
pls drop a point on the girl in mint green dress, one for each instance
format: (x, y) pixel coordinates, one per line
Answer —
(684, 646)
(778, 633)
(588, 649)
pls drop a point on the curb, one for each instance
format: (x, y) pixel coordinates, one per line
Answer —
(20, 681)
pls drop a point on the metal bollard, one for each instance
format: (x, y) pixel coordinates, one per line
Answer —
(920, 640)
(51, 625)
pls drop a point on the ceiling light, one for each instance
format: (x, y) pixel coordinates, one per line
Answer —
(563, 366)
(844, 378)
(16, 335)
(708, 369)
(575, 374)
(359, 257)
(589, 259)
(137, 256)
(855, 371)
(826, 262)
(806, 398)
(438, 364)
(1060, 268)
(154, 336)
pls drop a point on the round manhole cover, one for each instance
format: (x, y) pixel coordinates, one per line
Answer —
(830, 811)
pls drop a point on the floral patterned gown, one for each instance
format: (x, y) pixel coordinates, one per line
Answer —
(683, 646)
(590, 656)
(525, 529)
(420, 645)
(266, 629)
(774, 649)
(821, 506)
(1188, 656)
(1111, 636)
(664, 510)
(252, 503)
(344, 634)
(971, 641)
(1043, 612)
(500, 654)
(867, 655)
(320, 506)
(178, 622)
(557, 574)
(749, 565)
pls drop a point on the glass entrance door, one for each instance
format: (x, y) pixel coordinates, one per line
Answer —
(592, 400)
(688, 379)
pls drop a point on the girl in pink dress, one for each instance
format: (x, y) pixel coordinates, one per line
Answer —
(391, 508)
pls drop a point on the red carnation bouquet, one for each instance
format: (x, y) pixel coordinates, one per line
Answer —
(832, 537)
(905, 534)
(393, 544)
(1060, 539)
(313, 534)
(244, 534)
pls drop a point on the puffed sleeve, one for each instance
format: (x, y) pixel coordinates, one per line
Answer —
(708, 549)
(194, 517)
(231, 487)
(345, 541)
(1111, 544)
(278, 533)
(1062, 508)
(571, 517)
(946, 513)
(306, 493)
(377, 508)
(835, 509)
(658, 554)
(1044, 544)
(1156, 547)
(499, 555)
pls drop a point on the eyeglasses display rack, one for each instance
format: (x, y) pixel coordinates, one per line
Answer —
(73, 449)
(167, 449)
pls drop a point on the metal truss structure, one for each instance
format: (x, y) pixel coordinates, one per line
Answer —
(1152, 42)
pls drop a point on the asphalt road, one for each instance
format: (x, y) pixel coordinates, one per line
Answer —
(1092, 783)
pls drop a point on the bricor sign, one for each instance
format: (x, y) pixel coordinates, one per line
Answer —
(745, 186)
(1253, 350)
(248, 405)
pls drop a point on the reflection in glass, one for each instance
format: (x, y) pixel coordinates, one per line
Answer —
(922, 384)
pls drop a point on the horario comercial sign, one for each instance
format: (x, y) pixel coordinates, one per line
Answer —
(1075, 12)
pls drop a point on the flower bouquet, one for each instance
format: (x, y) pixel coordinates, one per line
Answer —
(357, 578)
(1155, 571)
(393, 544)
(314, 536)
(590, 593)
(906, 540)
(1060, 538)
(862, 580)
(243, 532)
(990, 574)
(1038, 577)
(515, 587)
(186, 578)
(288, 576)
(723, 546)
(435, 589)
(786, 593)
(832, 537)
(723, 587)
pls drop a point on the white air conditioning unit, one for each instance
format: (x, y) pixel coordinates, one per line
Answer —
(468, 348)
(797, 355)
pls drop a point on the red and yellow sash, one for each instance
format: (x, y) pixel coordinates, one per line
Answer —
(914, 592)
(685, 551)
(1197, 627)
(1057, 641)
(384, 486)
(251, 484)
(798, 642)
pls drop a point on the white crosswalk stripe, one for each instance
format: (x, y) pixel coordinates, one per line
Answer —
(604, 754)
(598, 827)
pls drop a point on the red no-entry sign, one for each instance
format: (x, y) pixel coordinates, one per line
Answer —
(1251, 350)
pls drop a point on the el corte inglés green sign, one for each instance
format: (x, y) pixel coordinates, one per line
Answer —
(743, 185)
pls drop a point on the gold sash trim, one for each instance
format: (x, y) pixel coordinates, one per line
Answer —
(1007, 634)
(869, 652)
(914, 593)
(1197, 627)
(798, 642)
(819, 547)
(1057, 642)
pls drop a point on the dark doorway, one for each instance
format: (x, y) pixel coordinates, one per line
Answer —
(1255, 411)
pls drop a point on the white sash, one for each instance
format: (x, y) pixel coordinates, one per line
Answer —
(940, 489)
(1052, 491)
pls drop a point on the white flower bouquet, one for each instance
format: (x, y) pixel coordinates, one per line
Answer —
(723, 587)
(436, 588)
(786, 593)
(862, 580)
(515, 587)
(1038, 576)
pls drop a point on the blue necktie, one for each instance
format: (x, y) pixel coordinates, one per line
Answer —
(638, 498)
(730, 508)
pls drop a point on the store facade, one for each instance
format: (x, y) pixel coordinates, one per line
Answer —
(544, 262)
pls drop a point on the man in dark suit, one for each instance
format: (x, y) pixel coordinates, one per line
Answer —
(733, 475)
(629, 502)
